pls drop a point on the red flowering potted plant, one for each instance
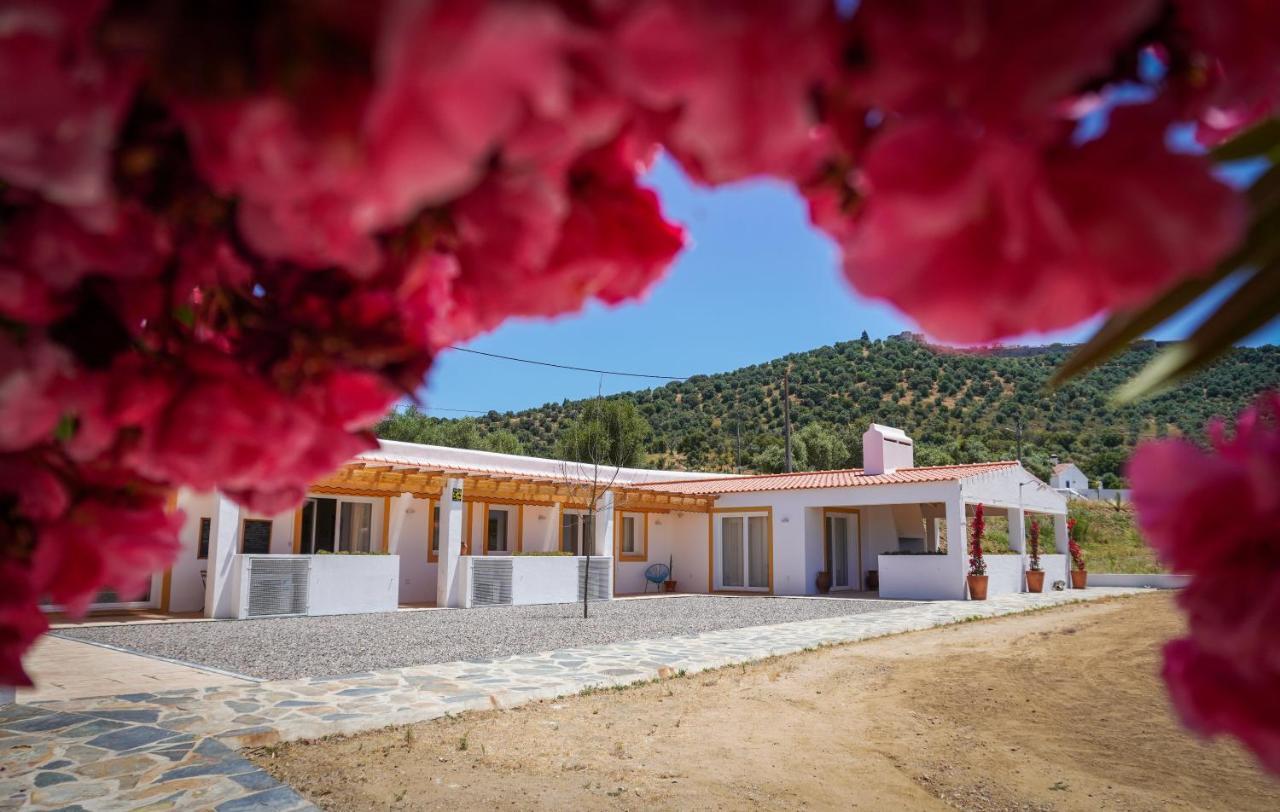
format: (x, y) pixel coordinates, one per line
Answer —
(1035, 572)
(1079, 573)
(977, 564)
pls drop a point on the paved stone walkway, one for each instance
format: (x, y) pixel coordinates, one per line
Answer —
(177, 749)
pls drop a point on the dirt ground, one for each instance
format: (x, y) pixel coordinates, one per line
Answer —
(1060, 710)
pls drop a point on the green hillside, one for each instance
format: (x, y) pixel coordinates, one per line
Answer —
(958, 406)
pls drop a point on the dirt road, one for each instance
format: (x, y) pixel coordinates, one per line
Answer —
(1056, 710)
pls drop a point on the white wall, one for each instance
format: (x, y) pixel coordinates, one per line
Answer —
(920, 577)
(1004, 574)
(1156, 580)
(186, 587)
(1055, 568)
(682, 538)
(350, 584)
(417, 574)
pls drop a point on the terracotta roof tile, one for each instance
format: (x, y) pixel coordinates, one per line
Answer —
(850, 478)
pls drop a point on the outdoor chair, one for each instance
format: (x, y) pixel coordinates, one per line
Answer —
(656, 574)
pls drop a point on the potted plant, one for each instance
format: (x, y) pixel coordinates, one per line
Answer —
(977, 564)
(823, 581)
(669, 585)
(1079, 573)
(1035, 572)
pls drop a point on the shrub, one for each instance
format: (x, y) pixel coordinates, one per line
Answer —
(1035, 545)
(977, 564)
(1077, 555)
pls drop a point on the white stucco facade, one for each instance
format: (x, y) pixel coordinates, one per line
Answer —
(891, 527)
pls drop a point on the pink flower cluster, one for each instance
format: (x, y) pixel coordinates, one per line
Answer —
(231, 235)
(1073, 548)
(963, 191)
(977, 564)
(1215, 515)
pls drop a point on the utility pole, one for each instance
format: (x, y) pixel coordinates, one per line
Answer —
(737, 432)
(786, 412)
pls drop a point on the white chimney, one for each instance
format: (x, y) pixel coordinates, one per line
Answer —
(886, 449)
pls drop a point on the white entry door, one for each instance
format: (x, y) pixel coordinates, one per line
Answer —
(842, 550)
(742, 553)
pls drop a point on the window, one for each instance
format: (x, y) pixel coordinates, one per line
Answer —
(629, 535)
(576, 533)
(633, 541)
(496, 532)
(355, 527)
(333, 525)
(206, 527)
(255, 537)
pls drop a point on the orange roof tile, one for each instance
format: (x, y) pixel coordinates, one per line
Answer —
(850, 478)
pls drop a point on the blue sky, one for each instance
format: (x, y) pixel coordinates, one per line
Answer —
(755, 282)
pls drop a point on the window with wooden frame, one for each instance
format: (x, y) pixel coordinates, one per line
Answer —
(202, 546)
(255, 537)
(633, 537)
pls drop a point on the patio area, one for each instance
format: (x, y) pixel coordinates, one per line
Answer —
(292, 648)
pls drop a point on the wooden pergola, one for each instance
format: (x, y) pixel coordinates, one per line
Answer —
(391, 479)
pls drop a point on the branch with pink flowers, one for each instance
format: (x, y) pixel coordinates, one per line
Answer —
(228, 228)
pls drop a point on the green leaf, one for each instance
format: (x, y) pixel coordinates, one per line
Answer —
(66, 429)
(185, 315)
(1261, 139)
(1252, 306)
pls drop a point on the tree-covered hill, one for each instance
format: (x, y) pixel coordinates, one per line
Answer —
(958, 406)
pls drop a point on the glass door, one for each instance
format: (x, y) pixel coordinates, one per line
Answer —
(742, 553)
(840, 550)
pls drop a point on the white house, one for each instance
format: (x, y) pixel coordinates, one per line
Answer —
(410, 524)
(1067, 477)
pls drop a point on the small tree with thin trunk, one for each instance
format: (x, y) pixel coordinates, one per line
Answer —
(605, 438)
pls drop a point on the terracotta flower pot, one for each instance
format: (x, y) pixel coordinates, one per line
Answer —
(1079, 578)
(1035, 580)
(823, 581)
(668, 586)
(977, 587)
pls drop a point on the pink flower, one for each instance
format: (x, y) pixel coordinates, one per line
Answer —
(1008, 62)
(21, 621)
(60, 101)
(1216, 516)
(33, 377)
(731, 84)
(979, 235)
(115, 541)
(1231, 70)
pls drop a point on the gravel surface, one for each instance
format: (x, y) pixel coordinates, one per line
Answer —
(288, 648)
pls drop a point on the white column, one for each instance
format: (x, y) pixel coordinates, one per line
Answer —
(933, 534)
(1017, 530)
(1018, 541)
(448, 585)
(604, 525)
(224, 537)
(1060, 543)
(399, 512)
(957, 544)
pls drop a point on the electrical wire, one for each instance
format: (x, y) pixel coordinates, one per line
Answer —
(571, 367)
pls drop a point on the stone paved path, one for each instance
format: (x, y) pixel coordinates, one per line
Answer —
(177, 749)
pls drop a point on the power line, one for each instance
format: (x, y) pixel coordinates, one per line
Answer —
(568, 366)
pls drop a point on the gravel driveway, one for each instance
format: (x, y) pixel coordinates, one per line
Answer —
(287, 648)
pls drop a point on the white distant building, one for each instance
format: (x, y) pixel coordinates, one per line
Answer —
(410, 524)
(1067, 477)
